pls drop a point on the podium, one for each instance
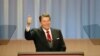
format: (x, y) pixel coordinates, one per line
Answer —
(52, 54)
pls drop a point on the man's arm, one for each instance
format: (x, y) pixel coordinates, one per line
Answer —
(62, 44)
(28, 35)
(28, 32)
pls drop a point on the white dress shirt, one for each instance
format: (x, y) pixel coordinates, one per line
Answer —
(45, 31)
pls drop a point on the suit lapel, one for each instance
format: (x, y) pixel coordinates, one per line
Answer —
(43, 37)
(53, 34)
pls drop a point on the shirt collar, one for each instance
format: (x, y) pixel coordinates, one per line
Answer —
(46, 30)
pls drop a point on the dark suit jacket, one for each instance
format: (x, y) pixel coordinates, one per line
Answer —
(41, 42)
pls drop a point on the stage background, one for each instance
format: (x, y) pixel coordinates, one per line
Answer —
(71, 16)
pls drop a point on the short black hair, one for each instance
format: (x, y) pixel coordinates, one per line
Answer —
(44, 15)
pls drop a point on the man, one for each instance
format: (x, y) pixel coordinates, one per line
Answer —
(46, 39)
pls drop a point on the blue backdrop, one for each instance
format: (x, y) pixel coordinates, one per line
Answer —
(77, 19)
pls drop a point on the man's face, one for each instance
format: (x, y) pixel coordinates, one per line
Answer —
(45, 22)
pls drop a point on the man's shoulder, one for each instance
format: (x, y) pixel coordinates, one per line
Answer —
(35, 29)
(55, 29)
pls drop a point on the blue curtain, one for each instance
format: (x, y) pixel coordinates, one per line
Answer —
(77, 19)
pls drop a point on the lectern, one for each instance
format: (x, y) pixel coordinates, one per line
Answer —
(52, 54)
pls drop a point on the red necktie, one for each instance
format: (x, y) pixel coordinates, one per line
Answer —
(48, 36)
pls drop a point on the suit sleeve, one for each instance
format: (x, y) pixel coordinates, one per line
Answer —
(29, 34)
(62, 44)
